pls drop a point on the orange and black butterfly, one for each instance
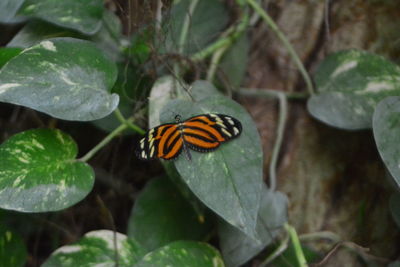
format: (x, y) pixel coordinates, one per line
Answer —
(202, 133)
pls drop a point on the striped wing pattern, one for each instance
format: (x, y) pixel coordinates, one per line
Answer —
(202, 133)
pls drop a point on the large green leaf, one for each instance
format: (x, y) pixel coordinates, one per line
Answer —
(81, 15)
(36, 31)
(162, 215)
(12, 248)
(350, 85)
(7, 53)
(8, 9)
(38, 172)
(183, 253)
(238, 248)
(229, 179)
(205, 24)
(64, 77)
(386, 127)
(97, 248)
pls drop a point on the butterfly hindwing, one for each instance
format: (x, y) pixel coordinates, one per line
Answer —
(156, 143)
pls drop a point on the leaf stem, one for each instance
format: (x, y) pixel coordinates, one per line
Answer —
(283, 110)
(128, 122)
(268, 20)
(231, 34)
(271, 93)
(104, 142)
(296, 245)
(277, 252)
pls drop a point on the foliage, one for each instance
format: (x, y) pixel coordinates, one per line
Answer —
(71, 62)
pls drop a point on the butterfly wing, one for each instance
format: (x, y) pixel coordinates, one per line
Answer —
(163, 141)
(206, 132)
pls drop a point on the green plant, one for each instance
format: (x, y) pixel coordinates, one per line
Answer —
(77, 66)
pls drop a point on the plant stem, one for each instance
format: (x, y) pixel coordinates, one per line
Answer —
(229, 37)
(270, 93)
(104, 142)
(296, 245)
(128, 122)
(283, 110)
(257, 8)
(278, 251)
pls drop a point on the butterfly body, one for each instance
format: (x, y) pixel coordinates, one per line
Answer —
(202, 133)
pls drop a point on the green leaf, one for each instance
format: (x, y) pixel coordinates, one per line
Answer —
(208, 20)
(8, 9)
(386, 128)
(38, 172)
(7, 53)
(350, 85)
(238, 248)
(183, 253)
(81, 15)
(395, 208)
(97, 248)
(106, 39)
(12, 248)
(228, 180)
(162, 215)
(234, 62)
(64, 77)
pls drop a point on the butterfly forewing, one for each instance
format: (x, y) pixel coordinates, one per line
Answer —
(202, 133)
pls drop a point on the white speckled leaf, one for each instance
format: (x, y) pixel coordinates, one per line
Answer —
(386, 128)
(229, 179)
(183, 253)
(97, 248)
(8, 9)
(236, 247)
(39, 173)
(154, 225)
(12, 248)
(36, 31)
(66, 78)
(350, 85)
(81, 15)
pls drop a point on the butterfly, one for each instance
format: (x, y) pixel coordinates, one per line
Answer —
(202, 133)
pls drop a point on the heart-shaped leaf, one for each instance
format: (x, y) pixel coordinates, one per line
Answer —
(386, 128)
(208, 19)
(229, 179)
(238, 248)
(97, 248)
(350, 85)
(8, 9)
(183, 253)
(154, 225)
(12, 248)
(81, 15)
(38, 172)
(64, 77)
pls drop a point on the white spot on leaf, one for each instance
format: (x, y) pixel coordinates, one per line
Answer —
(344, 67)
(5, 87)
(48, 46)
(376, 87)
